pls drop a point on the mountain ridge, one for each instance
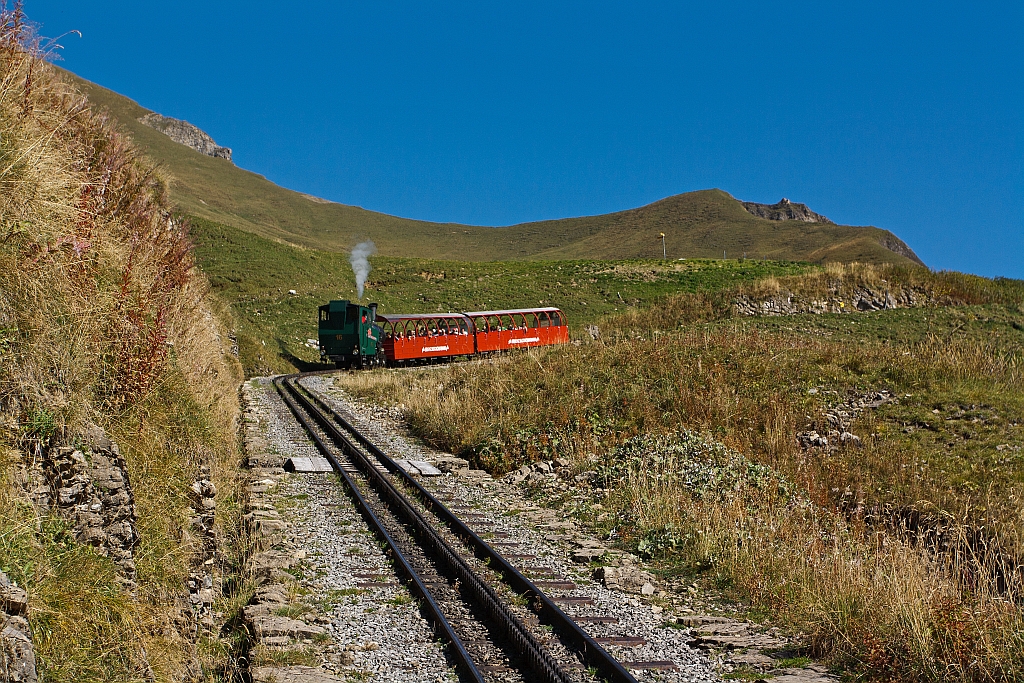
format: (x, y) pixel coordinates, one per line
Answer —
(699, 224)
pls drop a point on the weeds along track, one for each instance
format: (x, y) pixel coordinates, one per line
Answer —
(498, 625)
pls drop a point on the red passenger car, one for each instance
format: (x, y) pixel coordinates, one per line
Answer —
(516, 329)
(414, 336)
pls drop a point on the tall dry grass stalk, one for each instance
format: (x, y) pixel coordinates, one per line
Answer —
(103, 318)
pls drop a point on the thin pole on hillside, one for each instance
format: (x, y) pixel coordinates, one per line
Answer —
(664, 254)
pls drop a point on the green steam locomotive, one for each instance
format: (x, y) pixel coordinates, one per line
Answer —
(349, 335)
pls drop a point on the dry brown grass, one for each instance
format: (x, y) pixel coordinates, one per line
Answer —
(103, 318)
(871, 601)
(835, 554)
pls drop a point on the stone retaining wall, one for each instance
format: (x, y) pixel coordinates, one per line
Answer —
(17, 658)
(92, 488)
(861, 298)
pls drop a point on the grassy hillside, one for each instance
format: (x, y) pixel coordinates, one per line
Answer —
(697, 224)
(254, 276)
(896, 553)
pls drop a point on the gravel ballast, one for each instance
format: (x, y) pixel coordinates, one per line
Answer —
(377, 633)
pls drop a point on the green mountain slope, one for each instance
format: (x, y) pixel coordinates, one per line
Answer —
(701, 224)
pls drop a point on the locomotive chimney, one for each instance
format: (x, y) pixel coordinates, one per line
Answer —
(373, 313)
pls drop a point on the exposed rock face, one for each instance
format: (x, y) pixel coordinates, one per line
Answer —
(898, 246)
(92, 488)
(186, 134)
(785, 210)
(862, 298)
(17, 657)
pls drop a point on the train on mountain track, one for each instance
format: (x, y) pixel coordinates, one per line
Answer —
(355, 336)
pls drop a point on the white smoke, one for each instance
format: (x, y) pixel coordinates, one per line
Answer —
(360, 260)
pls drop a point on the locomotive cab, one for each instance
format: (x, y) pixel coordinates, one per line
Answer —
(349, 335)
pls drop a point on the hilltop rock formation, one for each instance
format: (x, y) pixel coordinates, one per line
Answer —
(785, 210)
(186, 134)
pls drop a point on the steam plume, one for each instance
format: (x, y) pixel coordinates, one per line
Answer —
(359, 258)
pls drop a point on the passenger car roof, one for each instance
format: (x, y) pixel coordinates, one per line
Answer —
(395, 317)
(546, 309)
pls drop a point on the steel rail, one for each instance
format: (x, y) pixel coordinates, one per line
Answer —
(536, 657)
(547, 611)
(442, 626)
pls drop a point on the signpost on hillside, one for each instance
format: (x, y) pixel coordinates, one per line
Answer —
(664, 254)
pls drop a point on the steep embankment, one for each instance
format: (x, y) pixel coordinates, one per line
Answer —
(118, 401)
(700, 224)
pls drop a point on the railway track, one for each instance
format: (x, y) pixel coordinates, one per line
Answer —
(498, 624)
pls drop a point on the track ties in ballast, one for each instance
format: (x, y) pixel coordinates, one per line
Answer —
(479, 603)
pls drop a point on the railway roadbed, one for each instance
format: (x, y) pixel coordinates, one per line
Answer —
(331, 602)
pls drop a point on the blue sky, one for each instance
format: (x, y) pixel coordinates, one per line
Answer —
(908, 116)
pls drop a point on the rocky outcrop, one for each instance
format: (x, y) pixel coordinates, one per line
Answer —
(17, 657)
(91, 487)
(834, 430)
(859, 298)
(185, 133)
(898, 246)
(785, 210)
(627, 578)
